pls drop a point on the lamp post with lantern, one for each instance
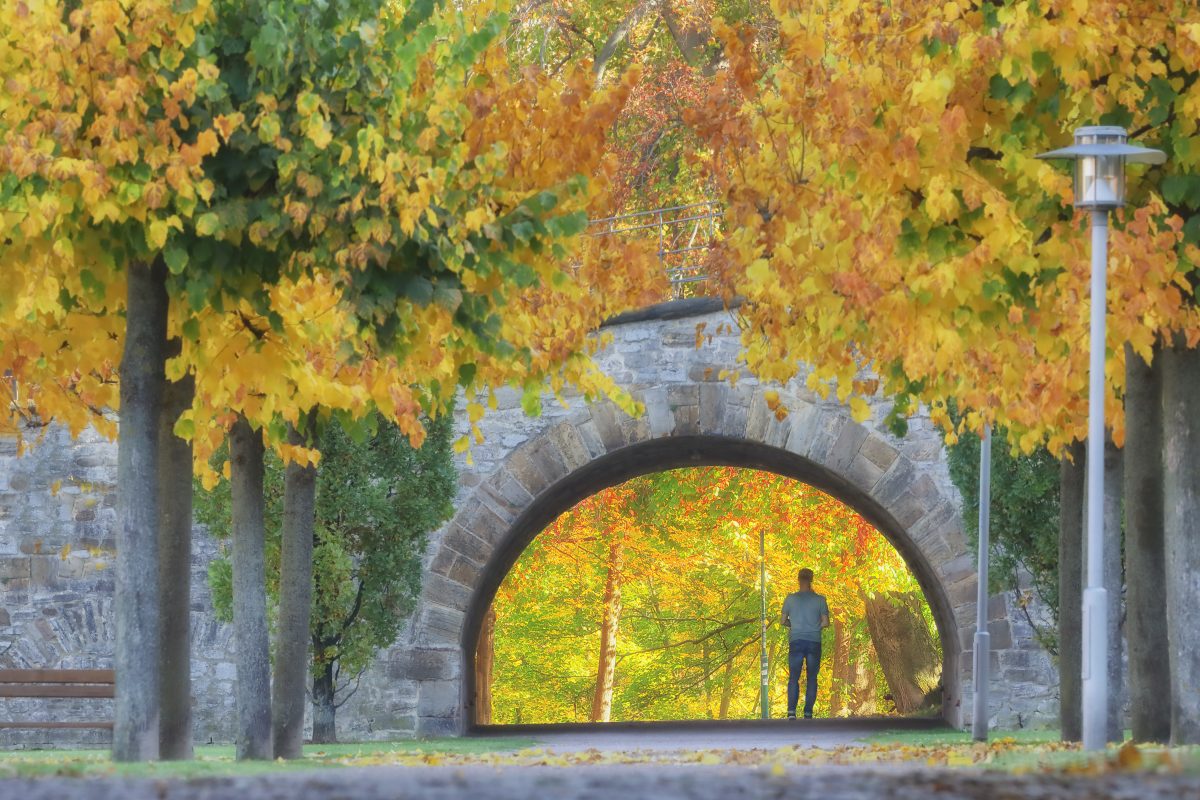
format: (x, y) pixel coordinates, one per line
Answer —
(1100, 154)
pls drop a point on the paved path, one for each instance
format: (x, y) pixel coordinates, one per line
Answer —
(631, 782)
(704, 735)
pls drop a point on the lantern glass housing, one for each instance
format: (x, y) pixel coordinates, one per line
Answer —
(1100, 180)
(1100, 153)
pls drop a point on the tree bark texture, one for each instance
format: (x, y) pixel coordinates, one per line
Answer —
(290, 686)
(485, 659)
(324, 707)
(843, 680)
(135, 655)
(906, 649)
(1114, 583)
(1181, 517)
(174, 575)
(610, 619)
(865, 697)
(1145, 555)
(726, 690)
(250, 594)
(1070, 592)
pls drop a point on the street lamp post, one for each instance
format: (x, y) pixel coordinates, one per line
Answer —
(981, 666)
(1100, 154)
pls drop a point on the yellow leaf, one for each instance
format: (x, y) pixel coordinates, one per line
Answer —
(859, 409)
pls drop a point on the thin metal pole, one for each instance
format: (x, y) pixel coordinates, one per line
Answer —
(1095, 598)
(979, 717)
(762, 596)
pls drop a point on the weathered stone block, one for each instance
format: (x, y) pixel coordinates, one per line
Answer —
(687, 420)
(800, 429)
(485, 524)
(466, 543)
(1001, 634)
(446, 592)
(549, 459)
(607, 419)
(14, 567)
(658, 411)
(570, 445)
(521, 466)
(879, 452)
(846, 446)
(864, 473)
(712, 406)
(465, 572)
(439, 698)
(424, 664)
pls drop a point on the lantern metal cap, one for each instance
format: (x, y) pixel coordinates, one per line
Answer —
(1106, 140)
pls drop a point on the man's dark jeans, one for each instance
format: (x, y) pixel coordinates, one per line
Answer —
(803, 654)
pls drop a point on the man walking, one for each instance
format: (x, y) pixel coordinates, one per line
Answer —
(805, 615)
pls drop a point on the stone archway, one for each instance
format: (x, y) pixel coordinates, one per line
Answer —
(531, 469)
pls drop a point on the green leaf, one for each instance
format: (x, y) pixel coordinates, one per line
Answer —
(208, 224)
(176, 257)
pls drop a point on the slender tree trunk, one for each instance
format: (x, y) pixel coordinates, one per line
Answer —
(906, 649)
(610, 618)
(485, 659)
(290, 686)
(324, 710)
(706, 666)
(841, 659)
(1070, 592)
(1145, 562)
(1114, 582)
(726, 690)
(174, 575)
(1181, 511)
(135, 656)
(250, 593)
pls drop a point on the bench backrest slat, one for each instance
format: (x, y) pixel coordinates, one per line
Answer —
(56, 690)
(101, 676)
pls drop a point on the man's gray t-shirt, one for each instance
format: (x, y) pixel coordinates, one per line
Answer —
(804, 611)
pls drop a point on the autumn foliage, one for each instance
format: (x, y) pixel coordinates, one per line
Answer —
(682, 549)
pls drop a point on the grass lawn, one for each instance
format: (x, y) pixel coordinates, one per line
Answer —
(214, 760)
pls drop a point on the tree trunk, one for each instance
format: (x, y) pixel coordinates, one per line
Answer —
(290, 686)
(135, 654)
(866, 691)
(1070, 592)
(839, 669)
(906, 649)
(1114, 582)
(250, 594)
(324, 710)
(610, 618)
(1181, 510)
(1145, 562)
(174, 575)
(726, 690)
(485, 659)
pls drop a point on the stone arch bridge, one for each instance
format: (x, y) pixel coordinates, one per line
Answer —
(57, 515)
(529, 470)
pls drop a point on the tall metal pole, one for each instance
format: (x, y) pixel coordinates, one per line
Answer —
(762, 596)
(1095, 598)
(983, 644)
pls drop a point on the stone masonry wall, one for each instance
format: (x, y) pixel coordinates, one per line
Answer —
(57, 509)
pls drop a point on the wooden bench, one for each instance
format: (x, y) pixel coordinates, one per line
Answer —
(55, 684)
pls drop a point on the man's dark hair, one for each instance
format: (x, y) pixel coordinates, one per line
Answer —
(805, 575)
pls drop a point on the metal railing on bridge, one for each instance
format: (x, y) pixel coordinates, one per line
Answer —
(684, 236)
